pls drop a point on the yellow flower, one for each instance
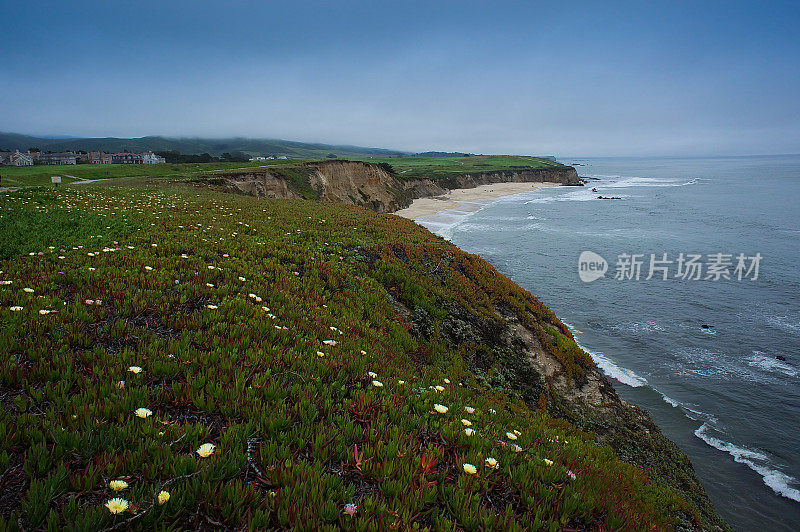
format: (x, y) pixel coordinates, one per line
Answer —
(518, 433)
(491, 462)
(511, 436)
(469, 410)
(548, 462)
(163, 497)
(212, 307)
(206, 450)
(320, 354)
(143, 412)
(447, 381)
(363, 352)
(15, 308)
(117, 505)
(440, 408)
(401, 382)
(330, 342)
(377, 384)
(466, 422)
(372, 374)
(29, 290)
(117, 485)
(470, 469)
(148, 268)
(135, 369)
(439, 388)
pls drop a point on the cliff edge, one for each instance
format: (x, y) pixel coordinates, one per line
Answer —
(375, 186)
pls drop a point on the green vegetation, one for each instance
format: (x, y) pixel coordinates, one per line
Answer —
(16, 176)
(327, 353)
(443, 167)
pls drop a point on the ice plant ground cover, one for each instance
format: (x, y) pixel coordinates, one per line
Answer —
(298, 439)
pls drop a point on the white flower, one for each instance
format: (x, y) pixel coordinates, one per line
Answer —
(372, 374)
(117, 485)
(15, 308)
(45, 311)
(548, 462)
(330, 342)
(469, 410)
(148, 268)
(470, 469)
(511, 436)
(491, 462)
(163, 497)
(447, 381)
(206, 450)
(440, 408)
(117, 505)
(212, 307)
(377, 384)
(29, 290)
(439, 388)
(466, 422)
(143, 412)
(242, 279)
(469, 432)
(135, 369)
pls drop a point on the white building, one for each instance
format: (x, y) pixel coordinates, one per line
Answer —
(16, 158)
(152, 158)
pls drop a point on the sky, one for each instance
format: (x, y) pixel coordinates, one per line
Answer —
(563, 78)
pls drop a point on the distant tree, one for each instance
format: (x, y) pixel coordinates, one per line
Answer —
(35, 149)
(331, 156)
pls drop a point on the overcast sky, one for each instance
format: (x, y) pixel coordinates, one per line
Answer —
(564, 78)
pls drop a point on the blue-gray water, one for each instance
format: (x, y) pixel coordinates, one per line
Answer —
(720, 392)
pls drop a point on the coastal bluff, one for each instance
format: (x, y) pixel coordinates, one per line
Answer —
(375, 186)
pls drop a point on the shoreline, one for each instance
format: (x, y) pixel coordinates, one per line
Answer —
(468, 199)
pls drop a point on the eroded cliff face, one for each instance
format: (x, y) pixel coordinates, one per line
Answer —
(371, 185)
(260, 184)
(356, 183)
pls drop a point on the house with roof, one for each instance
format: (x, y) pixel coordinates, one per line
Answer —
(16, 158)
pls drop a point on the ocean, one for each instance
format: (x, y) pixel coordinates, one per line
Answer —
(715, 360)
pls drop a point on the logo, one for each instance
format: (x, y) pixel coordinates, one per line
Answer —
(591, 266)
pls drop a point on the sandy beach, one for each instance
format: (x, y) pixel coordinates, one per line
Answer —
(467, 199)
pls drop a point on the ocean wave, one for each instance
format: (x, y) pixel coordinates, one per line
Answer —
(615, 371)
(778, 481)
(769, 363)
(639, 327)
(783, 322)
(618, 181)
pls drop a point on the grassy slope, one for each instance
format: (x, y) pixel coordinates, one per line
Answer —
(14, 176)
(301, 427)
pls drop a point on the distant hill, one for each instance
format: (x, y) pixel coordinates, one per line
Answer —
(216, 147)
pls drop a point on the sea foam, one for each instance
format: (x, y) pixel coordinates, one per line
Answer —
(778, 481)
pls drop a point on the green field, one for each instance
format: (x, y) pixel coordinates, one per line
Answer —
(16, 176)
(326, 354)
(404, 167)
(440, 167)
